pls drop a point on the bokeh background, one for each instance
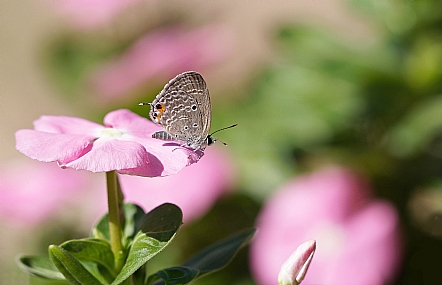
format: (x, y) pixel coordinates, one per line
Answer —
(352, 87)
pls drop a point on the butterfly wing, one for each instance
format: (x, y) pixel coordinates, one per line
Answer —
(183, 109)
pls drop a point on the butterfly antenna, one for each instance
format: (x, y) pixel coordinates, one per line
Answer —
(144, 103)
(224, 129)
(221, 141)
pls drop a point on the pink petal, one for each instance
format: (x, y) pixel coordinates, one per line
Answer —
(131, 123)
(90, 14)
(375, 241)
(111, 154)
(49, 147)
(161, 55)
(166, 158)
(66, 125)
(32, 192)
(312, 194)
(348, 191)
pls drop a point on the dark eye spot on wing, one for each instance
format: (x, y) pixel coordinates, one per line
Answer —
(160, 107)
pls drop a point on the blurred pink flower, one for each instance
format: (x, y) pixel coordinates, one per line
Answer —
(161, 55)
(32, 192)
(91, 14)
(124, 144)
(358, 237)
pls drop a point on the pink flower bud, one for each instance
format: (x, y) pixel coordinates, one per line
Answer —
(294, 269)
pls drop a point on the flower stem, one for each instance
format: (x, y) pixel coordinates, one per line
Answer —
(115, 229)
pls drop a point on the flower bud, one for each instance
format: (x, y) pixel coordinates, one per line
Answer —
(294, 269)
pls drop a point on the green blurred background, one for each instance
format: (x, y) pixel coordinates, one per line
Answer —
(310, 83)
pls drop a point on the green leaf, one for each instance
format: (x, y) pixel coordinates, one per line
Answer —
(142, 249)
(33, 280)
(91, 250)
(207, 261)
(157, 228)
(132, 215)
(70, 267)
(101, 230)
(162, 222)
(220, 254)
(174, 275)
(40, 266)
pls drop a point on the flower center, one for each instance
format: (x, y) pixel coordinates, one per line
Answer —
(110, 133)
(332, 238)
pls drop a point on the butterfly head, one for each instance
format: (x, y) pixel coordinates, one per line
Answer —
(211, 140)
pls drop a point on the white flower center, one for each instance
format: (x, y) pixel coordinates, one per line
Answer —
(110, 133)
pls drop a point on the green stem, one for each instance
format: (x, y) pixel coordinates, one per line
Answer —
(115, 229)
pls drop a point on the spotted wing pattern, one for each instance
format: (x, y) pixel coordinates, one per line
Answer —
(183, 109)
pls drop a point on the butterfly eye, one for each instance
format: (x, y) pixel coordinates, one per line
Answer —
(158, 106)
(209, 140)
(193, 107)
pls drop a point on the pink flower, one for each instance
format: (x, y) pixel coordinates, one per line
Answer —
(124, 144)
(90, 14)
(32, 192)
(161, 55)
(358, 236)
(194, 189)
(294, 269)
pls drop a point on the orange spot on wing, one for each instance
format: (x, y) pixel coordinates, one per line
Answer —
(160, 108)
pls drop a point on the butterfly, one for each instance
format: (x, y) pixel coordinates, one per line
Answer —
(184, 111)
